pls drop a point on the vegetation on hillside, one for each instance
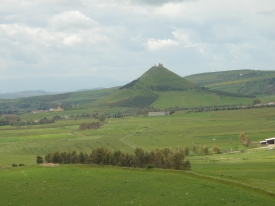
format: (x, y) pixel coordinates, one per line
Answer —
(246, 82)
(16, 121)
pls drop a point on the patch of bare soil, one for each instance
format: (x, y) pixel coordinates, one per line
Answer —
(50, 165)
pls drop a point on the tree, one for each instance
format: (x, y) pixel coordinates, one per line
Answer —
(194, 149)
(256, 101)
(101, 118)
(186, 150)
(216, 149)
(81, 158)
(177, 161)
(244, 139)
(39, 159)
(204, 150)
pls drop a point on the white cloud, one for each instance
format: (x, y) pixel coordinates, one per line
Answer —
(72, 20)
(71, 40)
(158, 44)
(184, 38)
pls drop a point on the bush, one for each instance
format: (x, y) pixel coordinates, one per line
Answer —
(244, 139)
(150, 166)
(21, 165)
(194, 149)
(216, 149)
(14, 165)
(39, 159)
(204, 150)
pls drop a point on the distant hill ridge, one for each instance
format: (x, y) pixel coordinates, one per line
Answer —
(246, 82)
(15, 95)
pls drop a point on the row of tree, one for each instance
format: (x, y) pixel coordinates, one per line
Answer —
(90, 126)
(204, 150)
(16, 121)
(161, 158)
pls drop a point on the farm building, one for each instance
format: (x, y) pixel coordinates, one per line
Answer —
(270, 140)
(151, 114)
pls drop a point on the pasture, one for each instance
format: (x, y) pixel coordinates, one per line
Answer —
(244, 171)
(95, 185)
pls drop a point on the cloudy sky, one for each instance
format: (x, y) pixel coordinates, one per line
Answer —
(121, 39)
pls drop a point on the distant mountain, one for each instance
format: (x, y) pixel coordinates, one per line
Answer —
(247, 82)
(57, 84)
(161, 88)
(45, 102)
(16, 95)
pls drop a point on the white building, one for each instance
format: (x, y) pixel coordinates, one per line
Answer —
(151, 114)
(270, 140)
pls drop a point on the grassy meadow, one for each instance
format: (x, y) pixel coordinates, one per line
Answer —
(91, 185)
(241, 177)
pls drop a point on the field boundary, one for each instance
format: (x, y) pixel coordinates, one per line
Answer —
(231, 182)
(129, 143)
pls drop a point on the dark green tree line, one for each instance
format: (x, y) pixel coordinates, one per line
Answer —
(161, 158)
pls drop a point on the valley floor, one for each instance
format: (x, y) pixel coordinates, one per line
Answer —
(241, 177)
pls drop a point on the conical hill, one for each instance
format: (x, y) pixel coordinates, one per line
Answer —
(161, 88)
(158, 78)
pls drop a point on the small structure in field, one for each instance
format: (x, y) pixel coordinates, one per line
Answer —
(152, 114)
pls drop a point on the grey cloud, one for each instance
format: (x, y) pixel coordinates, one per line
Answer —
(57, 38)
(269, 13)
(157, 2)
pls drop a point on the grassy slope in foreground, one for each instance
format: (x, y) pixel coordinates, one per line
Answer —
(87, 185)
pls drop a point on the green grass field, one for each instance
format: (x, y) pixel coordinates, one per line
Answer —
(91, 185)
(240, 178)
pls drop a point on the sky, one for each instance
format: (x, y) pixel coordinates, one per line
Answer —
(122, 39)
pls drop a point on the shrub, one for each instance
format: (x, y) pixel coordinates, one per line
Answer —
(216, 149)
(186, 150)
(244, 139)
(204, 150)
(39, 159)
(194, 149)
(21, 165)
(150, 166)
(14, 165)
(187, 165)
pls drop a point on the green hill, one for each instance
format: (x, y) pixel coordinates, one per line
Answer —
(158, 78)
(161, 88)
(247, 82)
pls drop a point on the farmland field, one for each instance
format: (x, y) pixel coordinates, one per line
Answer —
(87, 185)
(243, 171)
